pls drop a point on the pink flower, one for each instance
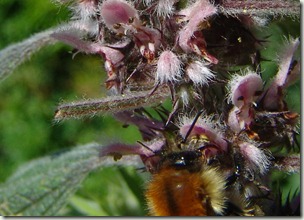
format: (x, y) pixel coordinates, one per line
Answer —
(288, 73)
(204, 127)
(244, 90)
(147, 40)
(119, 15)
(119, 149)
(188, 38)
(240, 119)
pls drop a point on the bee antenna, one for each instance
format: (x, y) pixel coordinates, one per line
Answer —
(192, 125)
(145, 146)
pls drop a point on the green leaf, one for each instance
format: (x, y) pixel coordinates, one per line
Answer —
(14, 55)
(42, 187)
(87, 207)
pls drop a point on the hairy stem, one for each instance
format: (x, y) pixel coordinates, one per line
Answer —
(110, 104)
(289, 164)
(261, 7)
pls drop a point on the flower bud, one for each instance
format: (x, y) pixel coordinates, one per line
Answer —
(255, 157)
(168, 67)
(199, 73)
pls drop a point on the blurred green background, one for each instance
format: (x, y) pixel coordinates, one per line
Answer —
(29, 98)
(28, 101)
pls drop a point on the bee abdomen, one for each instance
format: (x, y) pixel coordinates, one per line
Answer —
(174, 192)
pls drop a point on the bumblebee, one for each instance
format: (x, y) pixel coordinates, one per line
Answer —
(184, 185)
(196, 171)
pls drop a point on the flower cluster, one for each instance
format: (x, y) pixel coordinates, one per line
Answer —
(188, 49)
(168, 48)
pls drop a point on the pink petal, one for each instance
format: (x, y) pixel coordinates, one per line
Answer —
(244, 90)
(117, 12)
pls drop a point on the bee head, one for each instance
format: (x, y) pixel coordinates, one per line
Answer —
(190, 160)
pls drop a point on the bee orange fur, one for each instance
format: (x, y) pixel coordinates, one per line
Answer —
(182, 191)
